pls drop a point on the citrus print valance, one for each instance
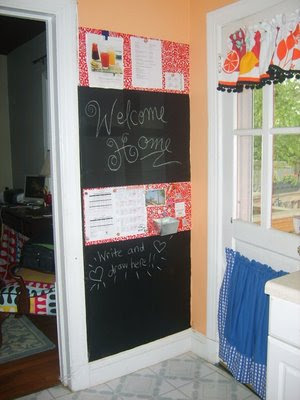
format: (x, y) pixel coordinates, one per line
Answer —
(258, 55)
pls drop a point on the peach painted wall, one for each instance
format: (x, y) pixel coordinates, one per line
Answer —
(181, 21)
(159, 19)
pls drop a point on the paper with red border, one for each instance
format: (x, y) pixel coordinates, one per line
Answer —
(176, 194)
(175, 63)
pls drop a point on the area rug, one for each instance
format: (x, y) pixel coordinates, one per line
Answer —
(21, 339)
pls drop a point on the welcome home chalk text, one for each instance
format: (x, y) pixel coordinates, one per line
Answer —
(131, 117)
(128, 149)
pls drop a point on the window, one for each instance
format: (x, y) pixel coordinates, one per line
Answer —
(267, 152)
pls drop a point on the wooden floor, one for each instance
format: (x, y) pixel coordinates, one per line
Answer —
(34, 373)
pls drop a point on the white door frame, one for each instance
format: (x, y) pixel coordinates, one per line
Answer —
(60, 17)
(216, 20)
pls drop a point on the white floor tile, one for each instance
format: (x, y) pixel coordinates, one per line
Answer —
(186, 356)
(180, 378)
(43, 395)
(143, 383)
(173, 395)
(180, 371)
(100, 392)
(59, 391)
(215, 387)
(83, 396)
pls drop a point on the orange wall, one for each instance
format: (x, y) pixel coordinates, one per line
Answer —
(160, 19)
(181, 21)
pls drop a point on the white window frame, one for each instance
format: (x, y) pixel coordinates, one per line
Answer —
(216, 21)
(267, 132)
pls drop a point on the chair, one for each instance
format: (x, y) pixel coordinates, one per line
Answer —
(26, 291)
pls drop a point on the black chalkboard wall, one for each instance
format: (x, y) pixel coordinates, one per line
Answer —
(137, 290)
(130, 137)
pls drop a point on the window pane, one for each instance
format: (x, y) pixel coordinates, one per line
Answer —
(287, 104)
(249, 178)
(286, 181)
(244, 110)
(257, 108)
(249, 109)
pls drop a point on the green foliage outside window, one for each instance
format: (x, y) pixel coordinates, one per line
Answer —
(286, 114)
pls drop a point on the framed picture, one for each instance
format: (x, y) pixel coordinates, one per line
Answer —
(155, 197)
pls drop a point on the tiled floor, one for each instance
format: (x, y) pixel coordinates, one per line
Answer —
(180, 378)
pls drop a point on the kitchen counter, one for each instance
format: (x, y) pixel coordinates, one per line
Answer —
(286, 287)
(283, 365)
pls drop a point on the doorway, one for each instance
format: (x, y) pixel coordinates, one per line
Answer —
(24, 65)
(60, 17)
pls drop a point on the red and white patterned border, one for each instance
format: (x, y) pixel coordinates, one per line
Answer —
(177, 192)
(175, 59)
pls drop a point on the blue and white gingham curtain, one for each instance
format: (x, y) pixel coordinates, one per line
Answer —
(243, 319)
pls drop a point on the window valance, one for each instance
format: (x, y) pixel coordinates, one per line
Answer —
(266, 53)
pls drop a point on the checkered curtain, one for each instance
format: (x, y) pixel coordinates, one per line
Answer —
(243, 317)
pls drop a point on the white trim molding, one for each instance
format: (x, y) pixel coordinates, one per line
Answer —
(140, 357)
(60, 17)
(144, 356)
(204, 347)
(214, 175)
(216, 21)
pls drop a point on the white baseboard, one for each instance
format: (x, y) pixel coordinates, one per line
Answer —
(79, 378)
(140, 357)
(204, 347)
(144, 356)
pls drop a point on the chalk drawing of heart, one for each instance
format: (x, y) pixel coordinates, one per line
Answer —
(97, 274)
(159, 246)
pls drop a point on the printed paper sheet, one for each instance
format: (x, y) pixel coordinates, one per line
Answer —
(104, 58)
(114, 212)
(146, 63)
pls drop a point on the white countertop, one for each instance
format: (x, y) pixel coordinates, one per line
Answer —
(286, 287)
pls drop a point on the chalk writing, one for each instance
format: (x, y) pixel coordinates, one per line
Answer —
(159, 246)
(96, 276)
(109, 254)
(131, 117)
(113, 264)
(144, 148)
(155, 148)
(129, 137)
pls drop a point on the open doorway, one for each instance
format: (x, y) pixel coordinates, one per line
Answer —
(60, 17)
(25, 145)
